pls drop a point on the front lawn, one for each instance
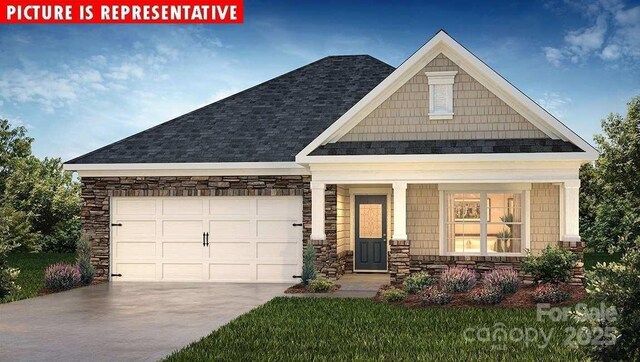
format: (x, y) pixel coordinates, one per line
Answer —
(590, 259)
(359, 329)
(32, 266)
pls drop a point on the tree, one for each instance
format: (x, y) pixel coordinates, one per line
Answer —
(15, 231)
(610, 215)
(14, 146)
(49, 197)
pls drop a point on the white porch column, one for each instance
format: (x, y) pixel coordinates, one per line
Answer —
(317, 211)
(570, 199)
(399, 210)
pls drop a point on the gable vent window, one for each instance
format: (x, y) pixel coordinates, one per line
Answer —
(441, 94)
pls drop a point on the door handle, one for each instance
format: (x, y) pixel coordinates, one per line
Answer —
(203, 242)
(207, 239)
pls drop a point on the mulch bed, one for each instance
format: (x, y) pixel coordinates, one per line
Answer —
(45, 291)
(299, 289)
(523, 298)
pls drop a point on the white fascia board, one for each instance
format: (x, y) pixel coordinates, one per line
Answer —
(188, 169)
(472, 157)
(443, 43)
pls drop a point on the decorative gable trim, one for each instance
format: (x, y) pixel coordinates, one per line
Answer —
(443, 43)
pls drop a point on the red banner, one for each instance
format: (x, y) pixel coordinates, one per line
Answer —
(121, 11)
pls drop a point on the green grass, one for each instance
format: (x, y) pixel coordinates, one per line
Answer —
(32, 266)
(304, 329)
(590, 259)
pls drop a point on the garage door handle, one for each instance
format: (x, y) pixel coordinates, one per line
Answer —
(203, 242)
(297, 224)
(207, 239)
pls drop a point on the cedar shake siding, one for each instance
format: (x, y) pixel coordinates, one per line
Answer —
(545, 216)
(343, 219)
(478, 113)
(423, 218)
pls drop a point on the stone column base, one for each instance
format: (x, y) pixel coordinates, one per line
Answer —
(399, 261)
(577, 273)
(327, 263)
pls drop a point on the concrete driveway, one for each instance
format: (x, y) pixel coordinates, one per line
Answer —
(122, 321)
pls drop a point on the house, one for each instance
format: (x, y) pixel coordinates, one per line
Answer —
(438, 162)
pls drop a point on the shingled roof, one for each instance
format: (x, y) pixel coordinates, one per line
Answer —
(437, 147)
(270, 122)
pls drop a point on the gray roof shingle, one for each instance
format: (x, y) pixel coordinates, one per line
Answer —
(531, 145)
(270, 122)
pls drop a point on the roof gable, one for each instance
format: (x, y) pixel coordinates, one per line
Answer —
(442, 43)
(478, 114)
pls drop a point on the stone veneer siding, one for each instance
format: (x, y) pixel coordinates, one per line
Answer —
(97, 191)
(328, 262)
(402, 263)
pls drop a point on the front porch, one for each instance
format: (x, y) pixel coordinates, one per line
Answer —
(404, 227)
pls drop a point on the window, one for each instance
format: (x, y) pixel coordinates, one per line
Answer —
(484, 223)
(441, 94)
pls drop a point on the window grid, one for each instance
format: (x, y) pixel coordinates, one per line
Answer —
(513, 204)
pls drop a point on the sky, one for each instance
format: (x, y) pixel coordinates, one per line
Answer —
(79, 87)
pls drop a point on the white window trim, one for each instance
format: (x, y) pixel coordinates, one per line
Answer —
(443, 78)
(525, 189)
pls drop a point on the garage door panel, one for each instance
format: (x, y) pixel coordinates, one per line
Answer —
(182, 250)
(251, 239)
(135, 250)
(182, 229)
(182, 271)
(277, 272)
(180, 206)
(231, 272)
(276, 250)
(231, 251)
(225, 229)
(136, 271)
(230, 206)
(277, 229)
(278, 207)
(136, 230)
(135, 206)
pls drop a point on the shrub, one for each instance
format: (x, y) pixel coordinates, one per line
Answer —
(8, 278)
(87, 271)
(416, 282)
(552, 266)
(487, 295)
(321, 285)
(618, 284)
(505, 280)
(308, 267)
(61, 276)
(458, 279)
(394, 294)
(549, 293)
(435, 296)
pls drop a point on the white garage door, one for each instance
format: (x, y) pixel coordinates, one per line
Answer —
(250, 239)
